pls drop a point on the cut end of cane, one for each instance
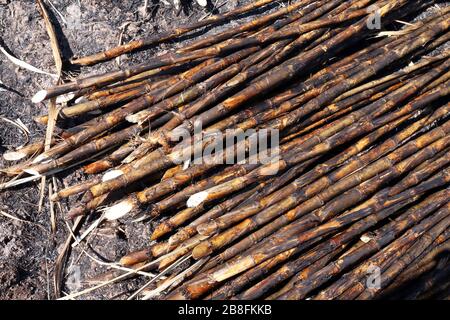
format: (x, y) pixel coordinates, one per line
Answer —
(32, 171)
(203, 3)
(81, 99)
(40, 158)
(201, 250)
(13, 155)
(129, 159)
(118, 211)
(133, 118)
(41, 120)
(135, 257)
(160, 230)
(197, 199)
(110, 175)
(39, 96)
(207, 229)
(177, 238)
(65, 98)
(365, 238)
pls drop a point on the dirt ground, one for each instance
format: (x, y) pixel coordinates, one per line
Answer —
(28, 248)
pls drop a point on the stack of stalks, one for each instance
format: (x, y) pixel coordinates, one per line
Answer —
(358, 182)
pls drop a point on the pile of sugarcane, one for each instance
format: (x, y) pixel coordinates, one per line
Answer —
(359, 182)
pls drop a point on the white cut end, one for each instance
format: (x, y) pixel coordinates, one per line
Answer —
(133, 118)
(39, 96)
(65, 98)
(81, 99)
(40, 158)
(112, 175)
(203, 3)
(365, 238)
(119, 210)
(13, 155)
(186, 164)
(32, 171)
(196, 199)
(129, 159)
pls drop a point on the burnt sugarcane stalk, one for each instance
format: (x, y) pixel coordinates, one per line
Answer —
(173, 222)
(320, 184)
(266, 186)
(293, 12)
(233, 287)
(151, 193)
(332, 208)
(340, 286)
(313, 105)
(389, 275)
(346, 134)
(318, 253)
(431, 204)
(173, 58)
(412, 272)
(218, 210)
(423, 264)
(208, 280)
(380, 260)
(308, 85)
(134, 45)
(110, 160)
(300, 290)
(111, 119)
(238, 215)
(315, 201)
(425, 62)
(236, 81)
(111, 97)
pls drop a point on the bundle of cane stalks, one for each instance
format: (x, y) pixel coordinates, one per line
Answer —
(348, 198)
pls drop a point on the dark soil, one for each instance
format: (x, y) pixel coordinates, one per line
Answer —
(28, 250)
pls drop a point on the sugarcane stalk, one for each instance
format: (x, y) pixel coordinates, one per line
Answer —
(233, 287)
(341, 203)
(321, 184)
(174, 58)
(188, 213)
(300, 290)
(424, 62)
(110, 97)
(381, 260)
(389, 275)
(431, 285)
(340, 239)
(258, 254)
(114, 117)
(238, 215)
(424, 263)
(207, 280)
(249, 293)
(110, 160)
(168, 35)
(268, 187)
(292, 11)
(341, 137)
